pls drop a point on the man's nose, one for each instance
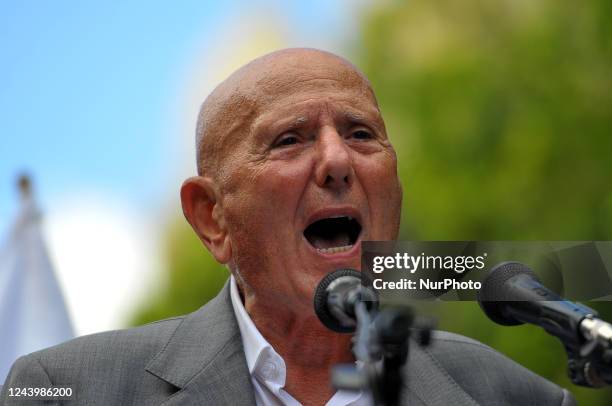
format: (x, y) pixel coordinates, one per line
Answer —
(334, 168)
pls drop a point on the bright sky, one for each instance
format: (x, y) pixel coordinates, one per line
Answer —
(98, 102)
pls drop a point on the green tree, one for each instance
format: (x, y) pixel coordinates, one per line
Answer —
(500, 114)
(192, 277)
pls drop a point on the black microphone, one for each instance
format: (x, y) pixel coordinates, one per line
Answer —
(512, 294)
(336, 297)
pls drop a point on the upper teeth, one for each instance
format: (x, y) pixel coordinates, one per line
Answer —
(340, 216)
(334, 249)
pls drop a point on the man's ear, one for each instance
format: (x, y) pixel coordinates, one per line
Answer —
(200, 200)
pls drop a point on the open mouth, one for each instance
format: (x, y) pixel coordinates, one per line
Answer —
(334, 234)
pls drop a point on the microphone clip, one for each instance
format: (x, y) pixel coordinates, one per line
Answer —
(591, 364)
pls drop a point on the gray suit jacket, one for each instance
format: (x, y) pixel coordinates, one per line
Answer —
(199, 360)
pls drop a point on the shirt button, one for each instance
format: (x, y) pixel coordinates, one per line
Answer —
(269, 370)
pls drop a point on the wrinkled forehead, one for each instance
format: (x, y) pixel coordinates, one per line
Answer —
(272, 82)
(301, 75)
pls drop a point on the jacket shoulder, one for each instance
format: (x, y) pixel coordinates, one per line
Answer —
(98, 366)
(131, 344)
(490, 376)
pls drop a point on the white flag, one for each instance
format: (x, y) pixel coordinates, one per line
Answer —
(32, 310)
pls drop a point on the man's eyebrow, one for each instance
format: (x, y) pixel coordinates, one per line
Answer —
(352, 116)
(299, 121)
(284, 122)
(360, 118)
(291, 123)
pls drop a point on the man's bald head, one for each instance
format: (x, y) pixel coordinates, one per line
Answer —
(234, 104)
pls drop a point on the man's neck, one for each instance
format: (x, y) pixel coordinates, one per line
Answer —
(307, 347)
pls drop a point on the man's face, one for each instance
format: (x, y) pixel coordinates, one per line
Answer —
(307, 177)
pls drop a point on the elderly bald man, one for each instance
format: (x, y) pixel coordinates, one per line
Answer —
(295, 169)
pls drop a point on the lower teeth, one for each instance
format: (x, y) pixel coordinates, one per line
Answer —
(334, 249)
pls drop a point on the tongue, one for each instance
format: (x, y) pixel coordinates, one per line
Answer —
(337, 240)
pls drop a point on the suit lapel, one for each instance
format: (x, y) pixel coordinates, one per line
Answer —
(429, 384)
(205, 359)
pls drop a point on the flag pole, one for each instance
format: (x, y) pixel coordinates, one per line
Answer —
(24, 184)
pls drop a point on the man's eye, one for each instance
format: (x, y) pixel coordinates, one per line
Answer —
(286, 140)
(362, 135)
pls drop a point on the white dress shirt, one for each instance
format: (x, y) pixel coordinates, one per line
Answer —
(267, 368)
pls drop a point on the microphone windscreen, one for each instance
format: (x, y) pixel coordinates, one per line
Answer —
(494, 294)
(322, 293)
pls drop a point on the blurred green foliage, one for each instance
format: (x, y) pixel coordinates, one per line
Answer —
(193, 276)
(501, 115)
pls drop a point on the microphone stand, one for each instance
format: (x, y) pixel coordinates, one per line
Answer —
(381, 347)
(590, 353)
